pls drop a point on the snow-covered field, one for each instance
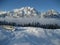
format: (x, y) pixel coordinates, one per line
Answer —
(29, 36)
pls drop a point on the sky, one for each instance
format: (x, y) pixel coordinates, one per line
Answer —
(40, 5)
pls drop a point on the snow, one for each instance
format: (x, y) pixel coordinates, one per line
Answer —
(30, 11)
(30, 36)
(2, 12)
(27, 20)
(26, 15)
(25, 11)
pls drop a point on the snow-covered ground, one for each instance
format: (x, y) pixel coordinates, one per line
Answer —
(29, 36)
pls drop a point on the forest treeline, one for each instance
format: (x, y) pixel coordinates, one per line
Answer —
(33, 24)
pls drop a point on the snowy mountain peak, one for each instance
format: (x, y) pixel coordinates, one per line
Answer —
(25, 11)
(52, 12)
(30, 12)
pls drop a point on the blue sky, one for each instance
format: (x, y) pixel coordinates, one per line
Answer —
(40, 5)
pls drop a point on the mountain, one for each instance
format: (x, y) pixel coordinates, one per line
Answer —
(50, 14)
(30, 12)
(24, 12)
(21, 12)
